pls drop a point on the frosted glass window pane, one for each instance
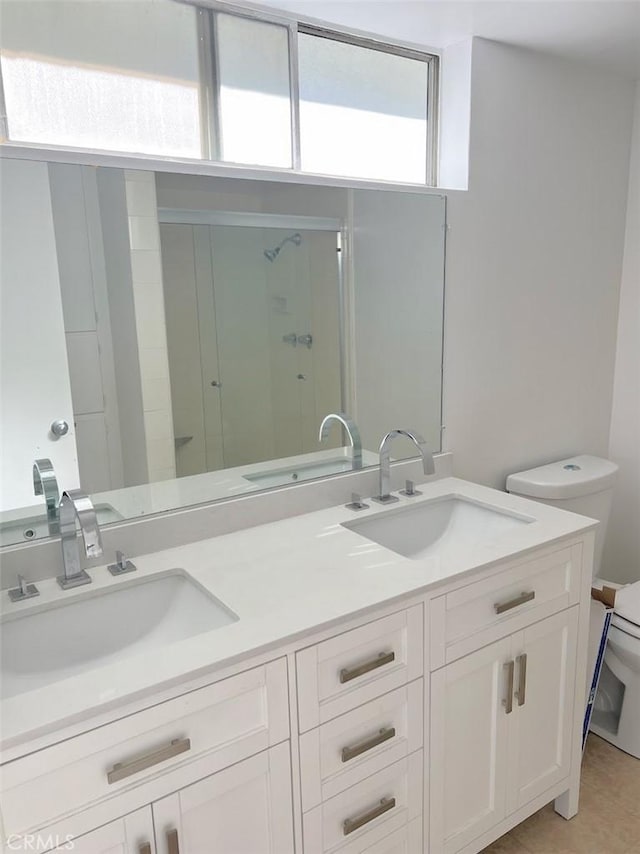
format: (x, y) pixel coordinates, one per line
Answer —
(255, 109)
(120, 76)
(363, 112)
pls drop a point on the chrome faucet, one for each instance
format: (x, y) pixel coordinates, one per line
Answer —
(352, 431)
(45, 483)
(76, 504)
(428, 466)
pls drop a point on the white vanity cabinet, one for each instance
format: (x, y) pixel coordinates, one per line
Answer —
(468, 768)
(225, 745)
(500, 729)
(430, 726)
(360, 702)
(132, 834)
(503, 716)
(246, 808)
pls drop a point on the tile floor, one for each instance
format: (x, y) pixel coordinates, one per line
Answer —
(609, 818)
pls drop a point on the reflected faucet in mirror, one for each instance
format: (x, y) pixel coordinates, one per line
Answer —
(352, 431)
(385, 497)
(45, 483)
(76, 504)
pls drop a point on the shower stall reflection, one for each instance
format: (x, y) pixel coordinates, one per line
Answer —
(253, 322)
(272, 254)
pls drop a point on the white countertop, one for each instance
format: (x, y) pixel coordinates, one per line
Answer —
(283, 580)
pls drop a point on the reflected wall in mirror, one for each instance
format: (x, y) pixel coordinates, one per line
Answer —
(193, 332)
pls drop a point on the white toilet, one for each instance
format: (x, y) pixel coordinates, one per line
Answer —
(584, 485)
(616, 711)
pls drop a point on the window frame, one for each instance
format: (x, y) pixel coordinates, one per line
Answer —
(209, 90)
(295, 25)
(210, 120)
(430, 60)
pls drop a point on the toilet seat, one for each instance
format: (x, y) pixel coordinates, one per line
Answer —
(626, 626)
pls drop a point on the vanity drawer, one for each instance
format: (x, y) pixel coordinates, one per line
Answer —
(352, 668)
(407, 840)
(504, 602)
(360, 816)
(123, 765)
(355, 745)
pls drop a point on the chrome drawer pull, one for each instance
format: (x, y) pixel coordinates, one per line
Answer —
(351, 824)
(126, 769)
(521, 661)
(347, 674)
(173, 846)
(501, 607)
(508, 700)
(362, 747)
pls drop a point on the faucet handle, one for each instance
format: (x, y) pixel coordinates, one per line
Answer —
(410, 489)
(356, 503)
(23, 591)
(121, 565)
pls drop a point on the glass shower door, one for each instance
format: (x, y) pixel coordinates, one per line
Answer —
(277, 302)
(253, 334)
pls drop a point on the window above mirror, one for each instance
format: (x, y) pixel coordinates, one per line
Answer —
(114, 76)
(217, 83)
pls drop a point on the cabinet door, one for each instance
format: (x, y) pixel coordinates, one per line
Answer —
(468, 746)
(542, 720)
(132, 834)
(245, 809)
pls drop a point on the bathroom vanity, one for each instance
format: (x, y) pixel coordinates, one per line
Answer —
(338, 687)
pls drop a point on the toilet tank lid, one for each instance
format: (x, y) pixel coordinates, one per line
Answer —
(568, 478)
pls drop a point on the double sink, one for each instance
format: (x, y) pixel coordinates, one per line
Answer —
(47, 642)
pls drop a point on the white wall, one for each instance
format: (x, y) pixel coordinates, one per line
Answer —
(455, 115)
(534, 263)
(148, 297)
(126, 358)
(622, 546)
(34, 377)
(398, 269)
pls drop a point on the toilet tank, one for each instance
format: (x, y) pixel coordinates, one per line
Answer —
(581, 484)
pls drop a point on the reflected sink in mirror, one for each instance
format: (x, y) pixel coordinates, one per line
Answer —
(283, 476)
(46, 644)
(34, 527)
(438, 527)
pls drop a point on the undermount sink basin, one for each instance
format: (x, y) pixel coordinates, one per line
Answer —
(100, 627)
(441, 527)
(283, 476)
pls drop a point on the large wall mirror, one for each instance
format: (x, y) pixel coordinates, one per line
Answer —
(172, 339)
